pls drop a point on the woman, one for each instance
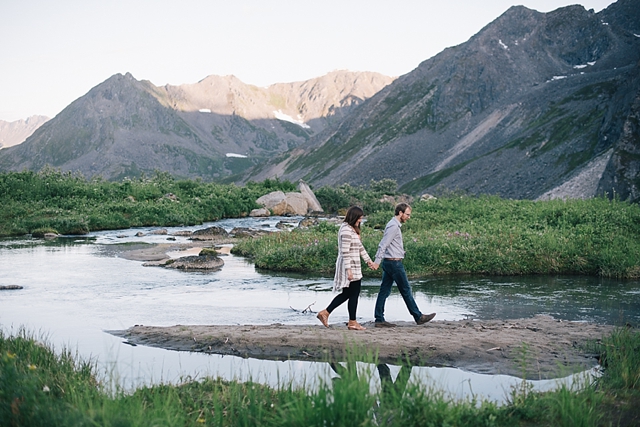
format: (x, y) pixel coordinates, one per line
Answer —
(348, 272)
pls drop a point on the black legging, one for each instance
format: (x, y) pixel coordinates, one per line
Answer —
(351, 293)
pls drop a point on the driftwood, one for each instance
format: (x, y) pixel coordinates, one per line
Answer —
(306, 310)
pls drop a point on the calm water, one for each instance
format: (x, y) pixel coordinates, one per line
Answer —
(75, 289)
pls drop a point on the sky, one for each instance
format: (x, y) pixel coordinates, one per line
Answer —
(53, 52)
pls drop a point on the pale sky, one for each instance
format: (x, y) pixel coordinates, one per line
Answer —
(53, 52)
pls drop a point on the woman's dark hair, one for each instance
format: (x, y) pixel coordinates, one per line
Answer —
(352, 216)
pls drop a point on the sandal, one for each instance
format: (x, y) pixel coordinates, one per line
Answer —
(323, 316)
(355, 326)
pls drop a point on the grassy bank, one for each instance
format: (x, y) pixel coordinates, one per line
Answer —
(41, 388)
(52, 201)
(480, 235)
(450, 235)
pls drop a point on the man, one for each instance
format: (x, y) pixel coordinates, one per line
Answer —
(390, 255)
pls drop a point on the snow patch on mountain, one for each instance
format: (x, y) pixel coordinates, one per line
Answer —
(285, 117)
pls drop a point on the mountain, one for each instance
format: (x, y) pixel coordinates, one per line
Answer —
(14, 133)
(211, 129)
(535, 105)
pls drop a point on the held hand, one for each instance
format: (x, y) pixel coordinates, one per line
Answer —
(349, 275)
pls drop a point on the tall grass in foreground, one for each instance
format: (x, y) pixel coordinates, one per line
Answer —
(480, 235)
(40, 388)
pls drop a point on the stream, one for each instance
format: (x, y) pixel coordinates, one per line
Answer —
(76, 288)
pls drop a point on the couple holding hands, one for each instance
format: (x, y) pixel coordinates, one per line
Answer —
(348, 276)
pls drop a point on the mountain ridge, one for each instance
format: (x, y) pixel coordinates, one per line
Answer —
(125, 127)
(15, 132)
(514, 111)
(535, 105)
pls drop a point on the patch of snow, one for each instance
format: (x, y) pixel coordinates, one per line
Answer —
(605, 23)
(559, 77)
(577, 67)
(637, 35)
(504, 46)
(239, 156)
(592, 63)
(284, 117)
(516, 42)
(204, 110)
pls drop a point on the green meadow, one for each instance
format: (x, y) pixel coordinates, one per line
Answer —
(479, 235)
(52, 201)
(453, 234)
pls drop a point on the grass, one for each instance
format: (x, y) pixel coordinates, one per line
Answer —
(70, 204)
(480, 235)
(451, 235)
(39, 387)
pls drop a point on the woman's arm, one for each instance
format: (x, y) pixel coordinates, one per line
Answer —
(345, 250)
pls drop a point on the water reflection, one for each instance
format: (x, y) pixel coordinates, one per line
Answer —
(76, 288)
(574, 298)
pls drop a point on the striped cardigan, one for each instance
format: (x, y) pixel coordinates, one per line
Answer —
(350, 250)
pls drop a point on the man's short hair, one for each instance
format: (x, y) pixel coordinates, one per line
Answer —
(401, 207)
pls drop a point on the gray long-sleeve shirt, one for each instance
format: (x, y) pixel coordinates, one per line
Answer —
(391, 244)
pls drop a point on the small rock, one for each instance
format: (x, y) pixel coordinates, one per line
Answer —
(284, 225)
(241, 232)
(262, 212)
(308, 222)
(10, 287)
(139, 234)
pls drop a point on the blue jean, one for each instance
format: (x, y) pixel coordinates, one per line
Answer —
(393, 271)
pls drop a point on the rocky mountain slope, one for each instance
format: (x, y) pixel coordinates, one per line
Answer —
(211, 129)
(535, 105)
(14, 133)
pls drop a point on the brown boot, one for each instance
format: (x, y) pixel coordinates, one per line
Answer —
(323, 316)
(355, 326)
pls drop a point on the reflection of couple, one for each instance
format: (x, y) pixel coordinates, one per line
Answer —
(391, 391)
(348, 276)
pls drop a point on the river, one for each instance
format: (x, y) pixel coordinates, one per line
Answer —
(75, 289)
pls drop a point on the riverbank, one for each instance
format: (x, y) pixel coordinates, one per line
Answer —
(42, 388)
(544, 347)
(479, 235)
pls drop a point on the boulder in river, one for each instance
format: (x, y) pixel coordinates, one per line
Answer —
(280, 203)
(211, 233)
(196, 262)
(312, 201)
